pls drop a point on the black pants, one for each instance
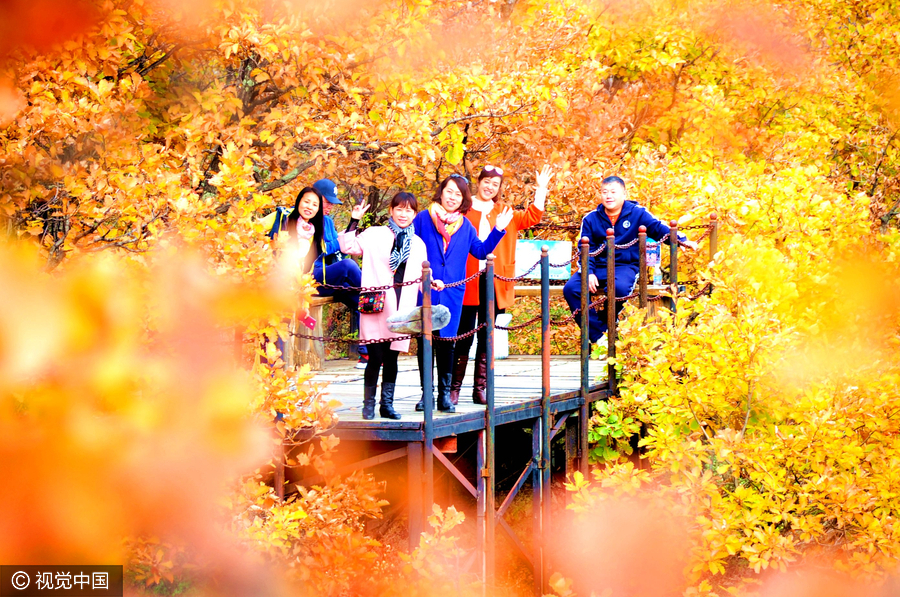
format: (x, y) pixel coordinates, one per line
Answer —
(467, 321)
(443, 356)
(342, 273)
(380, 353)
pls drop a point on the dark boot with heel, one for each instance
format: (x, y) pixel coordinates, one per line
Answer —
(368, 410)
(479, 386)
(443, 400)
(459, 372)
(386, 409)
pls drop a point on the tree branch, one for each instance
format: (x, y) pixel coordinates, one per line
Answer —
(705, 434)
(287, 178)
(880, 161)
(749, 407)
(143, 71)
(518, 110)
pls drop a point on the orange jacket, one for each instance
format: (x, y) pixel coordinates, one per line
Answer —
(505, 253)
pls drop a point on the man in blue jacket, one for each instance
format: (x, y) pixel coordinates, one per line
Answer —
(624, 217)
(328, 189)
(338, 269)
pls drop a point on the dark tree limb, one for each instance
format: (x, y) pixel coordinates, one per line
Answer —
(518, 110)
(880, 162)
(286, 178)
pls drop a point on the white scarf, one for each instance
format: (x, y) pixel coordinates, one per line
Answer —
(484, 226)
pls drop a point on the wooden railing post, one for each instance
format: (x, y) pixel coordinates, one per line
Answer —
(611, 308)
(489, 470)
(642, 276)
(542, 567)
(427, 395)
(583, 411)
(713, 236)
(673, 262)
(536, 509)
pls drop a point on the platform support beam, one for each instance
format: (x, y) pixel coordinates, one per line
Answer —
(489, 469)
(480, 498)
(571, 449)
(415, 487)
(536, 506)
(427, 393)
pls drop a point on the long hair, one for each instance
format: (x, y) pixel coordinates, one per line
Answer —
(463, 185)
(317, 221)
(498, 198)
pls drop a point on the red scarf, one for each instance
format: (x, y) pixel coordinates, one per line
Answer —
(446, 224)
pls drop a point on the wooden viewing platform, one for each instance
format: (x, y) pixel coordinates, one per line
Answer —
(517, 397)
(518, 405)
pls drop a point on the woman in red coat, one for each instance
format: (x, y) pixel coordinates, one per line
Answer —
(486, 204)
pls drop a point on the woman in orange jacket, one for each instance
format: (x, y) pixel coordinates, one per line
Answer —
(486, 204)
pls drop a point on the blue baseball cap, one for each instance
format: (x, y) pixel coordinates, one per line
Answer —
(328, 190)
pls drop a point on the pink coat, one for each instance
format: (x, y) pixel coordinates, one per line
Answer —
(374, 244)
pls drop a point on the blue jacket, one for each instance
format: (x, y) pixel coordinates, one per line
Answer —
(329, 235)
(632, 217)
(450, 266)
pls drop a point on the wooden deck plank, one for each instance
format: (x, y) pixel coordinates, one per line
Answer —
(517, 397)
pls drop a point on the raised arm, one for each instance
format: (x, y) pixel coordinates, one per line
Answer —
(535, 212)
(349, 242)
(658, 231)
(480, 250)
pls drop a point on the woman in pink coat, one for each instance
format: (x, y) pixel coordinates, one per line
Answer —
(390, 255)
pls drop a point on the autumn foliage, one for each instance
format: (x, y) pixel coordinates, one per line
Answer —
(141, 141)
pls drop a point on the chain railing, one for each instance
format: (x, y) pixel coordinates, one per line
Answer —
(674, 295)
(349, 340)
(370, 288)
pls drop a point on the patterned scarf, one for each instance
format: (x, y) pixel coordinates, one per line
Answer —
(400, 250)
(305, 230)
(446, 224)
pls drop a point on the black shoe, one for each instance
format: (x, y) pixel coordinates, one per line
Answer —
(368, 410)
(386, 410)
(420, 405)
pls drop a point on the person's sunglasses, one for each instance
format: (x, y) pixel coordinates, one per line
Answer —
(496, 169)
(455, 175)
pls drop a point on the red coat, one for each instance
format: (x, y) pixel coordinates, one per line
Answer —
(505, 253)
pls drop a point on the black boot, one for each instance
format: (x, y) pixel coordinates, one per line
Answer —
(386, 410)
(459, 372)
(368, 411)
(480, 384)
(443, 400)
